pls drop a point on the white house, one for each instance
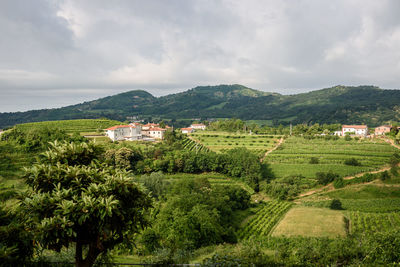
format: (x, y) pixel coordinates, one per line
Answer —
(155, 132)
(198, 126)
(149, 126)
(361, 130)
(187, 130)
(124, 132)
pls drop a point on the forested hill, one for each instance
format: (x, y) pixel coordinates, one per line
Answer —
(339, 104)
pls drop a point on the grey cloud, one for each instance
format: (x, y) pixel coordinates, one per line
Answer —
(67, 51)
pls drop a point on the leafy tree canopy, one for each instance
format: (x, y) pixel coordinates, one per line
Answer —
(74, 199)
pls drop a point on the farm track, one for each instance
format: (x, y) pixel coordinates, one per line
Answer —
(272, 149)
(330, 187)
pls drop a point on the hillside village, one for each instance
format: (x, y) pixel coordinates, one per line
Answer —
(153, 131)
(146, 132)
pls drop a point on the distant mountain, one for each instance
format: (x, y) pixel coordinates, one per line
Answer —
(339, 104)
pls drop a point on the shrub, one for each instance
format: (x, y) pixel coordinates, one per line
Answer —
(326, 177)
(384, 176)
(347, 138)
(352, 162)
(314, 160)
(336, 204)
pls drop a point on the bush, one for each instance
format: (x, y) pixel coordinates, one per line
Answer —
(352, 162)
(336, 204)
(384, 176)
(347, 138)
(325, 178)
(314, 160)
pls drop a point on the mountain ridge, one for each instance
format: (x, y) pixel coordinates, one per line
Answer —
(337, 104)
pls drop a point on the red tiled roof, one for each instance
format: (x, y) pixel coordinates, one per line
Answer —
(186, 129)
(119, 126)
(156, 129)
(355, 126)
(151, 124)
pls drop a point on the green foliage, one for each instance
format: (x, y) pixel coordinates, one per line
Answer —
(264, 220)
(73, 198)
(289, 187)
(336, 204)
(339, 182)
(364, 205)
(156, 184)
(314, 160)
(367, 223)
(364, 104)
(384, 175)
(37, 139)
(196, 214)
(352, 162)
(15, 241)
(294, 157)
(325, 178)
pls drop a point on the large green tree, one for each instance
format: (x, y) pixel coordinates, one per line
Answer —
(75, 199)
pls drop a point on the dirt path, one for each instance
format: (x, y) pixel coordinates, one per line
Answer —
(330, 187)
(273, 149)
(391, 142)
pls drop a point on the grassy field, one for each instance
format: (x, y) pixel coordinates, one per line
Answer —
(311, 222)
(217, 141)
(293, 157)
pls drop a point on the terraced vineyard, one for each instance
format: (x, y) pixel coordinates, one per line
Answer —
(217, 141)
(191, 145)
(293, 157)
(73, 126)
(361, 222)
(264, 220)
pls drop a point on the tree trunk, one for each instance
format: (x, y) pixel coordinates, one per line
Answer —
(91, 257)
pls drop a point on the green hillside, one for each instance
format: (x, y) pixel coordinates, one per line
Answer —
(340, 104)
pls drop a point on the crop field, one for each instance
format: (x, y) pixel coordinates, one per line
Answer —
(73, 126)
(361, 222)
(264, 220)
(311, 222)
(294, 155)
(217, 141)
(191, 145)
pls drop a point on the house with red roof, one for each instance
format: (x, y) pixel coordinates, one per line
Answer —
(124, 132)
(150, 125)
(187, 130)
(383, 129)
(360, 130)
(155, 132)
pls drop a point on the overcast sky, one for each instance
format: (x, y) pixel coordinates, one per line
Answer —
(55, 53)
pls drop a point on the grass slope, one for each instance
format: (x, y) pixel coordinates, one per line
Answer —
(311, 222)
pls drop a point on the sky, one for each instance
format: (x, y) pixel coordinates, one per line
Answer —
(56, 53)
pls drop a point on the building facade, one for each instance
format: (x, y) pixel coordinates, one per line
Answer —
(124, 132)
(360, 130)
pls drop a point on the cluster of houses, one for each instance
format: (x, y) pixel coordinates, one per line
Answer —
(362, 130)
(146, 132)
